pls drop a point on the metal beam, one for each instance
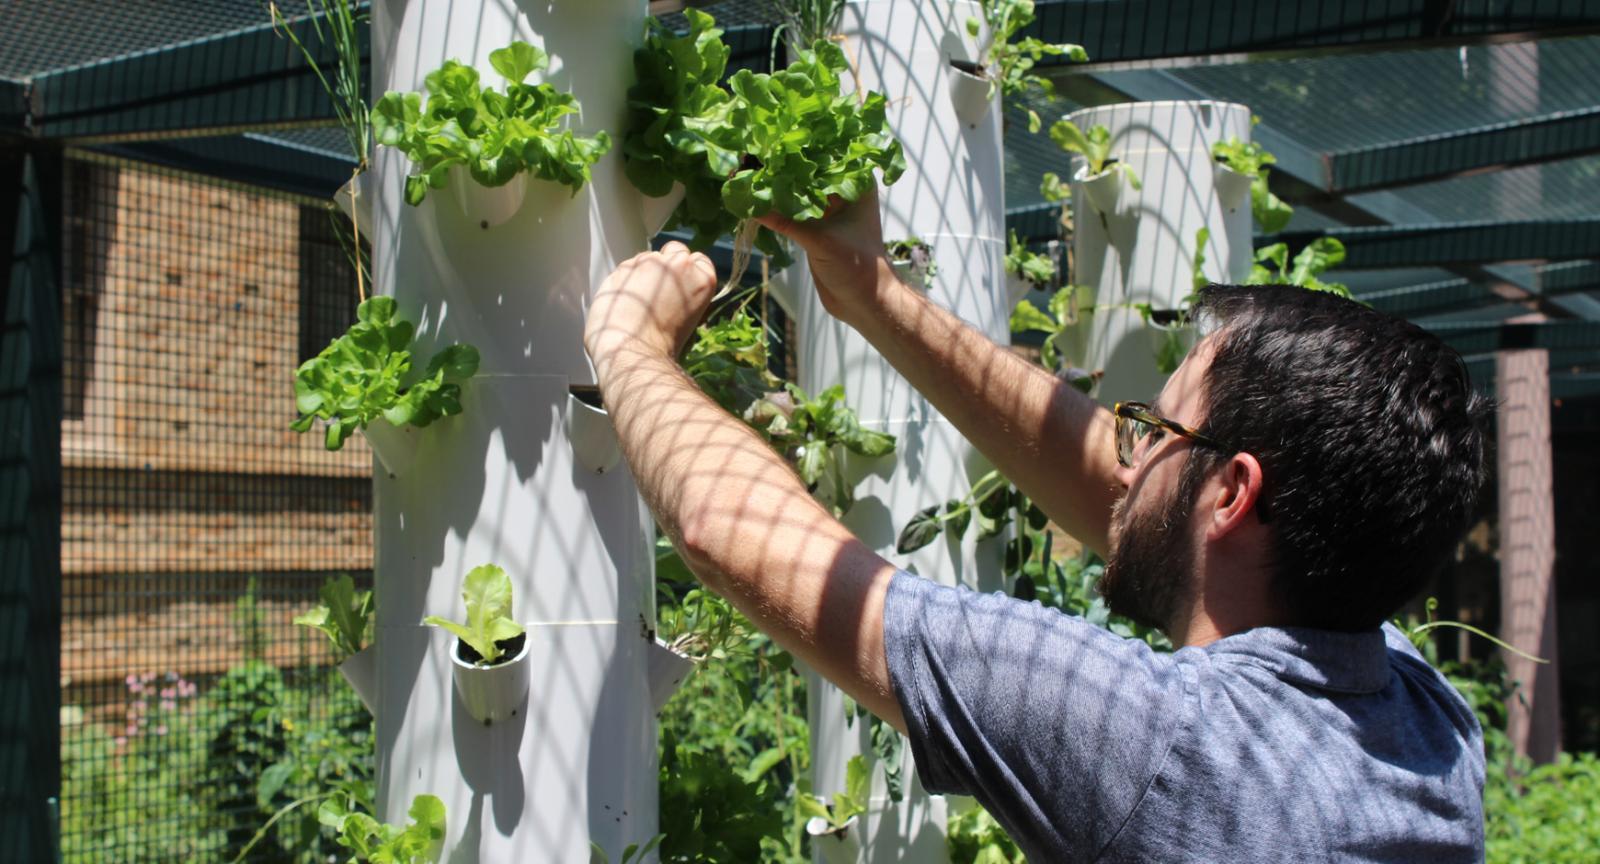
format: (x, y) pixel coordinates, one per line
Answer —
(1184, 32)
(255, 159)
(1483, 338)
(1455, 295)
(1459, 243)
(249, 79)
(1470, 151)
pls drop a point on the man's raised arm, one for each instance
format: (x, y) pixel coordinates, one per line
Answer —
(1051, 440)
(738, 513)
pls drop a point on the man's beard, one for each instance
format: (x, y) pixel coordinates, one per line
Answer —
(1147, 578)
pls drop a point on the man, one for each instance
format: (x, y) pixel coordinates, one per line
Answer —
(1301, 475)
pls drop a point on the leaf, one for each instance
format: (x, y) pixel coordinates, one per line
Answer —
(920, 531)
(517, 61)
(1322, 254)
(1026, 317)
(957, 517)
(272, 782)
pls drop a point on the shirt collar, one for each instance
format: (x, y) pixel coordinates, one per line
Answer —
(1326, 659)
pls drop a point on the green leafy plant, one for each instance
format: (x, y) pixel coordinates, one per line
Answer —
(1270, 212)
(803, 22)
(691, 620)
(845, 805)
(362, 376)
(1036, 269)
(728, 360)
(1272, 266)
(976, 838)
(633, 852)
(1094, 146)
(1052, 189)
(788, 142)
(344, 614)
(494, 135)
(1009, 65)
(421, 841)
(1060, 313)
(916, 257)
(487, 594)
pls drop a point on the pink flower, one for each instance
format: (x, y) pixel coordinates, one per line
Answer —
(120, 741)
(168, 705)
(131, 680)
(131, 731)
(168, 693)
(135, 686)
(161, 730)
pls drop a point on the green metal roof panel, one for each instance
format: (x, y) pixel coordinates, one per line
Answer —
(40, 36)
(1347, 102)
(1568, 189)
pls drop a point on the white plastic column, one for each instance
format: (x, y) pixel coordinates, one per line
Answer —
(1138, 245)
(501, 483)
(952, 197)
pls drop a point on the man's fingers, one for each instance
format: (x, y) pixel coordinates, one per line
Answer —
(702, 264)
(673, 248)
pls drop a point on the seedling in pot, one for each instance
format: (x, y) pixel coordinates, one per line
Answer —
(1035, 269)
(1012, 62)
(345, 615)
(494, 135)
(362, 377)
(489, 636)
(1094, 146)
(846, 805)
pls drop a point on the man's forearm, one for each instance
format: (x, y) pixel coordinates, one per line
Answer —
(747, 527)
(1051, 440)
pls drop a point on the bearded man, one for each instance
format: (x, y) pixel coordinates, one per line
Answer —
(1301, 476)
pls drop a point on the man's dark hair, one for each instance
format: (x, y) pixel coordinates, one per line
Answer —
(1370, 439)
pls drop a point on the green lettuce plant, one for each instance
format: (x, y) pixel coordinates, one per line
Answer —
(788, 142)
(1060, 313)
(487, 594)
(846, 805)
(364, 375)
(495, 135)
(372, 842)
(1052, 189)
(1094, 146)
(1008, 64)
(1038, 270)
(1270, 212)
(1272, 266)
(344, 614)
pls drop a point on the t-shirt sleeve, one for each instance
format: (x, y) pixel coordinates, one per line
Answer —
(1056, 726)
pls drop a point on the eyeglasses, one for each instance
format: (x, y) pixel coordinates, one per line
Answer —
(1135, 422)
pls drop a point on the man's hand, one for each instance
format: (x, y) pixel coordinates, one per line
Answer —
(653, 302)
(844, 251)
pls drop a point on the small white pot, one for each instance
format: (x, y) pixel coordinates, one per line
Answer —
(594, 439)
(970, 94)
(656, 211)
(841, 846)
(395, 446)
(487, 206)
(666, 670)
(1103, 190)
(910, 274)
(361, 670)
(1233, 187)
(1016, 289)
(492, 694)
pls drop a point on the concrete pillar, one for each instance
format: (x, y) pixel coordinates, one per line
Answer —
(501, 482)
(1527, 549)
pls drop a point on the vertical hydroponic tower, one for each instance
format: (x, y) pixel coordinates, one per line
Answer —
(502, 482)
(952, 198)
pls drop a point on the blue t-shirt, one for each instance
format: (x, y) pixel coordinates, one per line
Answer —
(1276, 744)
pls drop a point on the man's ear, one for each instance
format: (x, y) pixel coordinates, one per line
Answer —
(1238, 491)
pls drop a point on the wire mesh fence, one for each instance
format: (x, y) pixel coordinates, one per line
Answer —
(195, 523)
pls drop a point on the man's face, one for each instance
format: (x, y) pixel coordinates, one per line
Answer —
(1150, 568)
